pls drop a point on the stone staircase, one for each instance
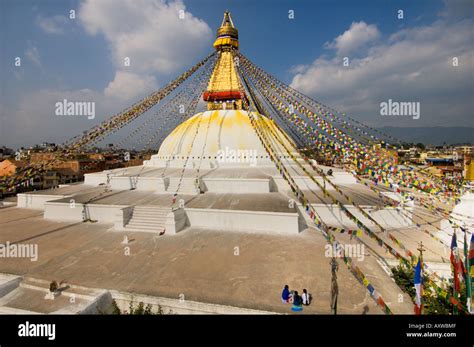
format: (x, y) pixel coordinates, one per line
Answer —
(187, 187)
(148, 219)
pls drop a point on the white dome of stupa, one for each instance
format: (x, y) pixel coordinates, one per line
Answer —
(216, 138)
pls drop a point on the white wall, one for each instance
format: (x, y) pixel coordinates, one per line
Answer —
(176, 221)
(388, 217)
(138, 183)
(236, 185)
(36, 201)
(305, 183)
(67, 212)
(123, 216)
(8, 283)
(94, 179)
(234, 220)
(177, 306)
(205, 164)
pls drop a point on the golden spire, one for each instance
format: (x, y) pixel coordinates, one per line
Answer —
(223, 91)
(227, 34)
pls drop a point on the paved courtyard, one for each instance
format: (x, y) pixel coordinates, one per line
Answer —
(230, 268)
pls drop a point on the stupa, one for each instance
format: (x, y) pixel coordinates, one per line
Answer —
(212, 171)
(223, 135)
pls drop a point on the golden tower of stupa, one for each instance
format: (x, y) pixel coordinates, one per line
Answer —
(223, 89)
(214, 138)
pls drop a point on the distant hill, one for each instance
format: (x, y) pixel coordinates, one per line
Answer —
(432, 135)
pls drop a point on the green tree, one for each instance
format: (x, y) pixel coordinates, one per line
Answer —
(404, 276)
(140, 309)
(148, 310)
(115, 308)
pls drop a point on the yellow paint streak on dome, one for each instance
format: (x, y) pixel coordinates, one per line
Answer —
(237, 120)
(179, 135)
(270, 127)
(218, 130)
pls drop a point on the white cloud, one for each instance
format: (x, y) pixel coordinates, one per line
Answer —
(413, 65)
(32, 53)
(52, 25)
(357, 36)
(130, 86)
(150, 33)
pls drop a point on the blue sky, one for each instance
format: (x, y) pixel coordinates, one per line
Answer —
(276, 43)
(80, 59)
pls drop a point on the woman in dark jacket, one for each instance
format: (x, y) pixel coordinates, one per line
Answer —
(297, 302)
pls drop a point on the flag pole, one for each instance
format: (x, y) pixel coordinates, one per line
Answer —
(467, 265)
(334, 286)
(419, 281)
(421, 249)
(454, 268)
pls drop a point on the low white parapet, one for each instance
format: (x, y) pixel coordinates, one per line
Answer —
(76, 212)
(95, 179)
(389, 217)
(394, 196)
(343, 178)
(338, 178)
(138, 183)
(103, 177)
(8, 283)
(306, 183)
(206, 163)
(247, 221)
(234, 220)
(177, 306)
(176, 221)
(36, 201)
(98, 305)
(236, 185)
